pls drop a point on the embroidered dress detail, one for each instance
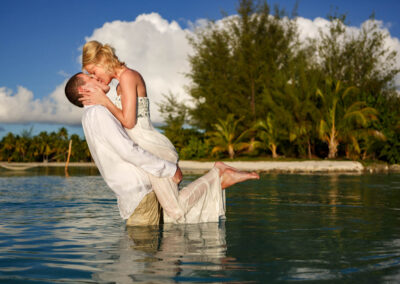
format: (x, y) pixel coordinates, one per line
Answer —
(143, 106)
(143, 109)
(117, 101)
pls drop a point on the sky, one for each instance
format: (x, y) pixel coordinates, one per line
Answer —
(41, 43)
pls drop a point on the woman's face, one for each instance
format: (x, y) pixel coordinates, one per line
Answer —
(100, 73)
(90, 81)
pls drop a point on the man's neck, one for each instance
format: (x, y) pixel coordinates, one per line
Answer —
(88, 106)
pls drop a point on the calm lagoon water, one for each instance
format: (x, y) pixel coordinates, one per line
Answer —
(282, 228)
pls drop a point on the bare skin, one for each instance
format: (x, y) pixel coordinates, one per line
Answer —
(222, 166)
(131, 85)
(230, 176)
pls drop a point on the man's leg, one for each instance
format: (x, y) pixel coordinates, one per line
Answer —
(147, 213)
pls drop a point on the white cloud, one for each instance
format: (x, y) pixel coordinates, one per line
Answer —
(64, 74)
(310, 29)
(22, 107)
(158, 49)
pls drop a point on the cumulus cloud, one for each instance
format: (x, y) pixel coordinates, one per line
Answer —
(158, 49)
(310, 29)
(22, 107)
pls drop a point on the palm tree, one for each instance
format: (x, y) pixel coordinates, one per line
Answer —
(226, 136)
(8, 146)
(303, 112)
(45, 145)
(60, 144)
(361, 141)
(270, 133)
(341, 115)
(21, 144)
(63, 133)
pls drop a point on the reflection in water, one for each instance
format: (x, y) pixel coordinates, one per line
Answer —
(171, 253)
(50, 171)
(339, 228)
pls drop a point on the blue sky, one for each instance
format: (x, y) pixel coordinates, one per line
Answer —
(40, 39)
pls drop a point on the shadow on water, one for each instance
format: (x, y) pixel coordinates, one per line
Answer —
(331, 228)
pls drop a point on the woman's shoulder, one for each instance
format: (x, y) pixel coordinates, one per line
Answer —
(131, 77)
(130, 74)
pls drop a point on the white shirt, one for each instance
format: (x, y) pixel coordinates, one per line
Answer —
(122, 163)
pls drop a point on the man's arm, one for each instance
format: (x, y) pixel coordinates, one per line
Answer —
(110, 130)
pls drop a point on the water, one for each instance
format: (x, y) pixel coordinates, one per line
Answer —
(283, 228)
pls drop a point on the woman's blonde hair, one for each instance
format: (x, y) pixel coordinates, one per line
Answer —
(100, 54)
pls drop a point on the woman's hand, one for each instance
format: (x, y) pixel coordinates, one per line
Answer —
(177, 178)
(93, 95)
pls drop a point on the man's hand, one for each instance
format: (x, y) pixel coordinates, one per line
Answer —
(177, 178)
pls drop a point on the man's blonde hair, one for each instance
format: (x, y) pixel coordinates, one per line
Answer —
(100, 54)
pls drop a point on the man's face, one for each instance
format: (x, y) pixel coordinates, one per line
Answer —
(91, 81)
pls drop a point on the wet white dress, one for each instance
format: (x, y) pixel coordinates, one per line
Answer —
(201, 201)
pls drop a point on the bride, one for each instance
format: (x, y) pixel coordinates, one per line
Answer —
(131, 108)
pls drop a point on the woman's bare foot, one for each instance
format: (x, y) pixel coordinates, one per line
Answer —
(230, 177)
(222, 167)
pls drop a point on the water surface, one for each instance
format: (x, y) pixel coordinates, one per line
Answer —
(331, 228)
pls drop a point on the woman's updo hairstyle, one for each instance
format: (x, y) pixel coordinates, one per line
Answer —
(98, 54)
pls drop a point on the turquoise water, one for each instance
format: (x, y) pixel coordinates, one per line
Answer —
(282, 228)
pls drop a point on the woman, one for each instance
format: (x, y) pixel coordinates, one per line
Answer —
(131, 106)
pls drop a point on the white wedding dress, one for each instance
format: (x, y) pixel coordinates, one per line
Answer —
(201, 201)
(146, 136)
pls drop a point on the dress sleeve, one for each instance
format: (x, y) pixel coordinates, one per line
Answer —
(115, 135)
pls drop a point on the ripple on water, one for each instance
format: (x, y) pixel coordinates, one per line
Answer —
(280, 228)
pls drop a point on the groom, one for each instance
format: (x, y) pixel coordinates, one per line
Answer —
(131, 171)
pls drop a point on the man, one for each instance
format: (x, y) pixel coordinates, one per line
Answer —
(132, 173)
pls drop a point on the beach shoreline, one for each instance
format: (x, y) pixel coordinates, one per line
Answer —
(196, 167)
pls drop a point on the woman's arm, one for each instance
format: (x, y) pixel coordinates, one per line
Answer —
(127, 116)
(128, 83)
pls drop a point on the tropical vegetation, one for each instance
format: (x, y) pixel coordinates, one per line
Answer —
(44, 147)
(257, 90)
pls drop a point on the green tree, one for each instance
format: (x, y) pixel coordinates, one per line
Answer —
(235, 61)
(271, 133)
(227, 138)
(8, 146)
(175, 116)
(60, 143)
(389, 125)
(292, 104)
(341, 115)
(21, 147)
(358, 59)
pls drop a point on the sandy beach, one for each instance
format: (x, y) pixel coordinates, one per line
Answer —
(195, 167)
(281, 167)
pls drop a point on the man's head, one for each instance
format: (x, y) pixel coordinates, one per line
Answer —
(72, 89)
(79, 82)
